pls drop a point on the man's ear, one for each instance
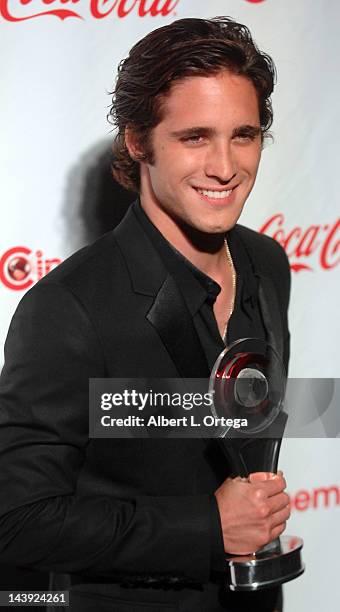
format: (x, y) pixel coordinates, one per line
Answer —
(133, 144)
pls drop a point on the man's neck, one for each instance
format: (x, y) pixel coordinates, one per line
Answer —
(205, 251)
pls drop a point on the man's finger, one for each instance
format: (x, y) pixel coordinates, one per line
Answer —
(272, 486)
(278, 502)
(280, 517)
(260, 476)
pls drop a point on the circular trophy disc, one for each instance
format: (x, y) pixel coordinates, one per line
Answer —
(248, 381)
(275, 564)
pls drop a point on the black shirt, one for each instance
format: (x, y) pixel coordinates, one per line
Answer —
(200, 292)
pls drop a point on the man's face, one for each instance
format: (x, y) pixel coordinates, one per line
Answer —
(207, 150)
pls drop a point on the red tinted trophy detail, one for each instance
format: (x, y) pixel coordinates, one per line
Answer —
(248, 381)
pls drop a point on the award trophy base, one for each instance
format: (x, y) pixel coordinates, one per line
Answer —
(276, 563)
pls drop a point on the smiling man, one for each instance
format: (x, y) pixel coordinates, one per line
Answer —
(207, 150)
(141, 523)
(206, 153)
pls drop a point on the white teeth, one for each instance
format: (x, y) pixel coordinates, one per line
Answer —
(217, 195)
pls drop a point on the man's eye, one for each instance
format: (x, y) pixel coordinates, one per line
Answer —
(245, 137)
(193, 138)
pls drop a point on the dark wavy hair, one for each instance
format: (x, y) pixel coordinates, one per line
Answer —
(186, 47)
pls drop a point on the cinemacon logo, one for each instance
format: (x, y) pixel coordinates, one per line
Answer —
(21, 10)
(320, 497)
(21, 267)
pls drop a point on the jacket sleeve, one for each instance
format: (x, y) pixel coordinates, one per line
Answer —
(52, 350)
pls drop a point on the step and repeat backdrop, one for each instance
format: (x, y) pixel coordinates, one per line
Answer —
(58, 65)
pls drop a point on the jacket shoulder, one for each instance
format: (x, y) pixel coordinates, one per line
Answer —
(86, 261)
(268, 259)
(262, 246)
(265, 252)
(90, 274)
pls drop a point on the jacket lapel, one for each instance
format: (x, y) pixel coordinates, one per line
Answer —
(168, 314)
(266, 292)
(271, 314)
(171, 319)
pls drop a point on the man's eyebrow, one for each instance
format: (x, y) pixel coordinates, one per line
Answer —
(249, 130)
(252, 130)
(193, 131)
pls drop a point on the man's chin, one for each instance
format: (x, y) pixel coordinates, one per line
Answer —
(209, 227)
(219, 228)
(207, 232)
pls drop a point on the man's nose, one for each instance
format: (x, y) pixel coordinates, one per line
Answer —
(220, 162)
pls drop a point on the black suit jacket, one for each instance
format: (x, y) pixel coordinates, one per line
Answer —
(130, 519)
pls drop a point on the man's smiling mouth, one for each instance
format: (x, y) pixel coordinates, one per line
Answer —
(218, 195)
(215, 194)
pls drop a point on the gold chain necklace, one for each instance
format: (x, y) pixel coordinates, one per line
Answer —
(233, 276)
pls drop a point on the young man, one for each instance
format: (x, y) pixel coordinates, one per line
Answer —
(143, 524)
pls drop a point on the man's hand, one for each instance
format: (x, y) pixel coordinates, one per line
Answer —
(253, 511)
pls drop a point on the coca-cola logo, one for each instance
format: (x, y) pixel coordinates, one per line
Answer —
(21, 10)
(21, 267)
(307, 248)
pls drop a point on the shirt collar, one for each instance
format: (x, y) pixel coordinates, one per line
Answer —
(196, 286)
